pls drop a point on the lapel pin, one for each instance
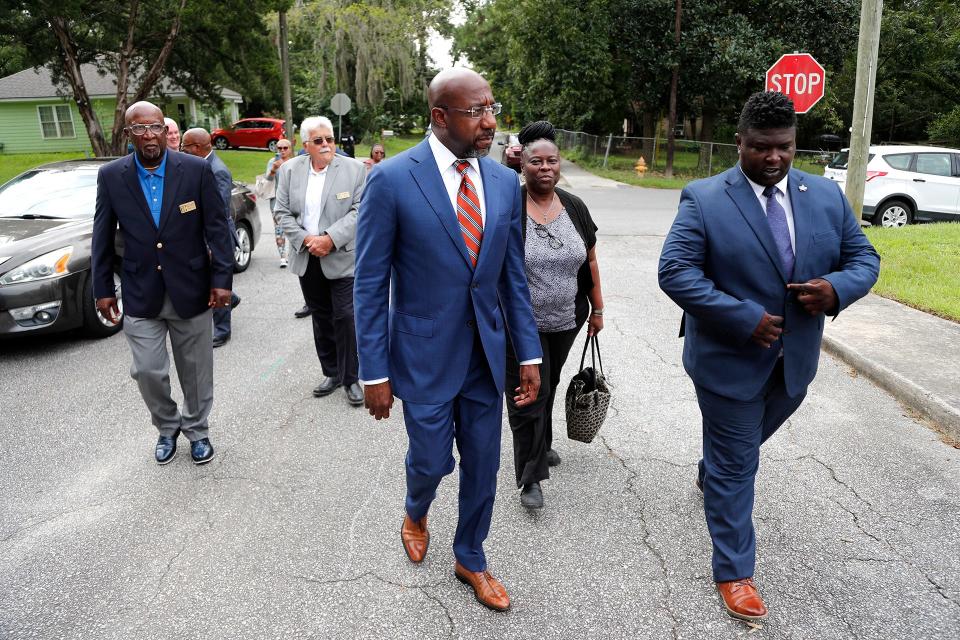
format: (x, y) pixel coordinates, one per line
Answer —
(802, 187)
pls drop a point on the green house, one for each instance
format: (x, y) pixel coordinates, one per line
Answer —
(36, 116)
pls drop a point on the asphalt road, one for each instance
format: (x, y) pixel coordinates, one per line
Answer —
(293, 530)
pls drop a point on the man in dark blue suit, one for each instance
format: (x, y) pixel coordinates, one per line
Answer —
(756, 257)
(177, 264)
(439, 269)
(197, 142)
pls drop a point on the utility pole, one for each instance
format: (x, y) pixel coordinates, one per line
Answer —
(285, 70)
(674, 81)
(871, 14)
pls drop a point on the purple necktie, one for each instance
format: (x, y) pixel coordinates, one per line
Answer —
(777, 219)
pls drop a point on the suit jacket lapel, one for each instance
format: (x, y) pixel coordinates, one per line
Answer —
(746, 200)
(133, 183)
(491, 183)
(332, 170)
(171, 185)
(427, 177)
(803, 233)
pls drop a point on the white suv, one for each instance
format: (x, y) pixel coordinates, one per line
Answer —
(906, 184)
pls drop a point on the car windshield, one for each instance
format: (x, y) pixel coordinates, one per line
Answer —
(51, 193)
(840, 161)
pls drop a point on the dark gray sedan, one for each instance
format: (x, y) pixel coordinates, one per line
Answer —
(46, 220)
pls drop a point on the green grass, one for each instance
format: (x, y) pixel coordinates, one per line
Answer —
(920, 266)
(685, 167)
(13, 164)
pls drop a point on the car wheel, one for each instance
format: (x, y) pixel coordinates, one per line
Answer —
(895, 213)
(221, 143)
(272, 145)
(94, 324)
(242, 253)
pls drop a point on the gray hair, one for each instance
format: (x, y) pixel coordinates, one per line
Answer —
(311, 124)
(171, 121)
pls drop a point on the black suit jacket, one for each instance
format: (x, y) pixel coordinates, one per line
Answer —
(172, 259)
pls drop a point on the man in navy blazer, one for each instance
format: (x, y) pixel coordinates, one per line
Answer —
(197, 142)
(439, 272)
(756, 257)
(177, 264)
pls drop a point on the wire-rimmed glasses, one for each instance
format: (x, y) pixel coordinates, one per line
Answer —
(543, 232)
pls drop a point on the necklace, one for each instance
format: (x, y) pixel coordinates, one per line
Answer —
(549, 208)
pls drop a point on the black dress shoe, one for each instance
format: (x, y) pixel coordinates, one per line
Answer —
(303, 312)
(553, 458)
(235, 301)
(326, 387)
(355, 394)
(532, 496)
(201, 451)
(699, 484)
(219, 341)
(166, 448)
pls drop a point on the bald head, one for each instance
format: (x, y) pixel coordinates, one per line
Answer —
(142, 109)
(452, 94)
(453, 82)
(196, 142)
(147, 132)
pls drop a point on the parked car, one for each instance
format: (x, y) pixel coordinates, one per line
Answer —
(511, 152)
(249, 132)
(46, 222)
(906, 184)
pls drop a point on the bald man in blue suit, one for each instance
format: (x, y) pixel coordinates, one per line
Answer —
(439, 274)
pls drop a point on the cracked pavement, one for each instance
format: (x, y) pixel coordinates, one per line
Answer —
(293, 530)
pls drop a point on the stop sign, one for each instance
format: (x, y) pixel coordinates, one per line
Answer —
(800, 77)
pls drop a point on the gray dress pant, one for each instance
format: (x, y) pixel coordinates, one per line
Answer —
(192, 343)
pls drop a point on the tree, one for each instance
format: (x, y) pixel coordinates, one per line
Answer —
(552, 59)
(372, 50)
(196, 43)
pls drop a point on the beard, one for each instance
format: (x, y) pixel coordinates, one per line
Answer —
(473, 152)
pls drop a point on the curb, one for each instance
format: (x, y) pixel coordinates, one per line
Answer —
(930, 406)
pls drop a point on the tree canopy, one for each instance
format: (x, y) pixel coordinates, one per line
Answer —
(199, 44)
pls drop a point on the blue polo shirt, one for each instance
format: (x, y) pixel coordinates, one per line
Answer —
(151, 182)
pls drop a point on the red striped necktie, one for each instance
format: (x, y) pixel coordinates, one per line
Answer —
(468, 212)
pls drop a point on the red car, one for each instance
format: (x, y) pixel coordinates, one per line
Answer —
(249, 132)
(511, 152)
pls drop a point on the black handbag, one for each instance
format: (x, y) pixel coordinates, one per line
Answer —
(588, 396)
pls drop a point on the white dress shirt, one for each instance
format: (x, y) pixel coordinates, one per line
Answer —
(313, 202)
(446, 163)
(451, 180)
(784, 201)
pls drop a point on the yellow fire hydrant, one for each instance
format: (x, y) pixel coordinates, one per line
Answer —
(640, 167)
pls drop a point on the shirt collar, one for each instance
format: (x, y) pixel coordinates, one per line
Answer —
(445, 158)
(758, 188)
(207, 157)
(143, 173)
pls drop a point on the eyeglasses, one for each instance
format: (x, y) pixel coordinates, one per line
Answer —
(140, 129)
(322, 139)
(543, 232)
(477, 112)
(279, 147)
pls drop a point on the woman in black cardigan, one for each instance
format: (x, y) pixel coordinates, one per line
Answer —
(564, 280)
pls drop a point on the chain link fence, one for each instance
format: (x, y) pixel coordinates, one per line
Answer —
(691, 159)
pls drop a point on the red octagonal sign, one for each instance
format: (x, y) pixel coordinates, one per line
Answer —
(800, 77)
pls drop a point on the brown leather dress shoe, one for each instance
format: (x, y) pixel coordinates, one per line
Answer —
(415, 538)
(741, 599)
(489, 591)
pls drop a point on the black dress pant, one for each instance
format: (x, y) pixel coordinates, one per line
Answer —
(532, 425)
(333, 326)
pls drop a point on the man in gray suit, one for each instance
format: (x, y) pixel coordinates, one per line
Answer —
(197, 142)
(317, 199)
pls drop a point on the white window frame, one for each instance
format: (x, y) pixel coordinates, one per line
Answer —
(57, 121)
